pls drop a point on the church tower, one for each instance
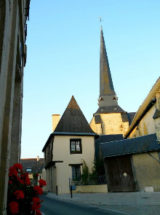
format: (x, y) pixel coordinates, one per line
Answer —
(110, 118)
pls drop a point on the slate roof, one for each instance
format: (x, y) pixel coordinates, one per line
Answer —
(32, 163)
(108, 138)
(148, 143)
(131, 116)
(110, 109)
(73, 120)
(104, 139)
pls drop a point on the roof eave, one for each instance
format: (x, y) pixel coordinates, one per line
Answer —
(74, 133)
(142, 109)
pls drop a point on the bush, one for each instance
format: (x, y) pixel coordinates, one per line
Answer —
(23, 198)
(85, 174)
(97, 172)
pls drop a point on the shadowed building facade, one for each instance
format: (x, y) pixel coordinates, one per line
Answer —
(110, 118)
(13, 32)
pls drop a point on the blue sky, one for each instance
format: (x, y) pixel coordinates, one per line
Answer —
(63, 45)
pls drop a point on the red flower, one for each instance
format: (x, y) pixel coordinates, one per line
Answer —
(36, 203)
(18, 166)
(27, 181)
(19, 194)
(10, 182)
(42, 182)
(25, 178)
(14, 207)
(20, 180)
(38, 189)
(38, 212)
(12, 171)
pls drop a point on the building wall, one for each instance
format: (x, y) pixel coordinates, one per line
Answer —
(12, 60)
(146, 125)
(147, 170)
(61, 154)
(102, 188)
(111, 123)
(96, 127)
(44, 177)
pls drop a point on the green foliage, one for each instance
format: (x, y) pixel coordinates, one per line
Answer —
(92, 178)
(85, 174)
(99, 167)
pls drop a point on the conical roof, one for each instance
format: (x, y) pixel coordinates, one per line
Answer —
(73, 120)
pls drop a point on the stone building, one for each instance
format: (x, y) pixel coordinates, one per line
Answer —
(13, 31)
(70, 144)
(147, 117)
(133, 164)
(110, 118)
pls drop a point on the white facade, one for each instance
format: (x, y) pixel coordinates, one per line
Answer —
(59, 175)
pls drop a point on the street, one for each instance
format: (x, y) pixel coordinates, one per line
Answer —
(56, 207)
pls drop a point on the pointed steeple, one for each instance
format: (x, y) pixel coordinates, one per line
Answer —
(107, 98)
(106, 84)
(73, 120)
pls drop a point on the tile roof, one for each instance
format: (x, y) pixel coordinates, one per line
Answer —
(73, 120)
(137, 145)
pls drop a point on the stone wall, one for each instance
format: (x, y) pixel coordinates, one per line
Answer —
(147, 170)
(111, 123)
(146, 125)
(91, 189)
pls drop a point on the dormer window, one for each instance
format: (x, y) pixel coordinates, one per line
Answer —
(75, 146)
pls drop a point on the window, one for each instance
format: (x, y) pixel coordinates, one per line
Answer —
(76, 172)
(75, 146)
(28, 170)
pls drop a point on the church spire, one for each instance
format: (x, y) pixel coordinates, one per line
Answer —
(107, 93)
(106, 84)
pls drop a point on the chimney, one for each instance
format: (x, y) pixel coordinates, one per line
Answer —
(157, 116)
(55, 120)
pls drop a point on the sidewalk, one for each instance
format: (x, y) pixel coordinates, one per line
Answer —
(137, 203)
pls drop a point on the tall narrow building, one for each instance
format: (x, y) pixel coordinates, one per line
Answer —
(110, 118)
(69, 146)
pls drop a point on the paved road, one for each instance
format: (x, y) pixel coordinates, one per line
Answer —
(56, 207)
